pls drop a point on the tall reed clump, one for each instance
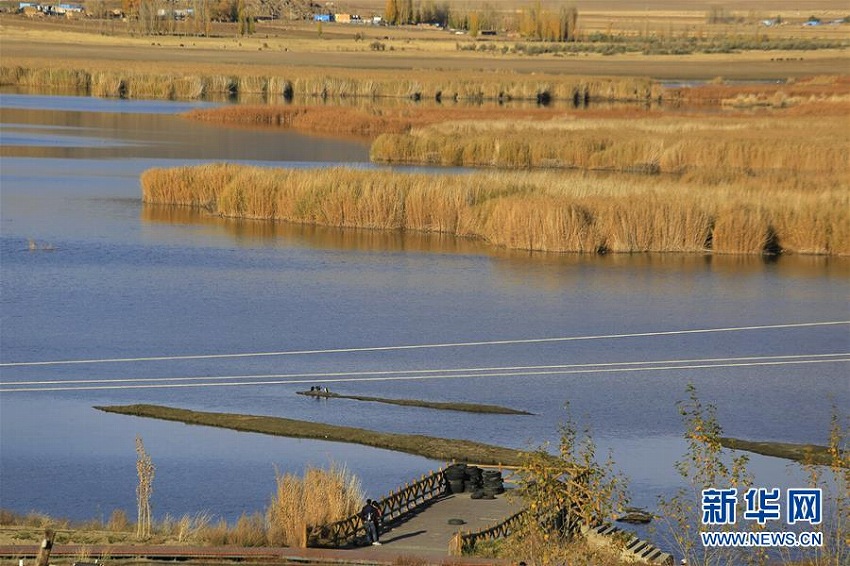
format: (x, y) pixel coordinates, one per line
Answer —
(187, 186)
(545, 211)
(319, 497)
(45, 77)
(149, 86)
(107, 84)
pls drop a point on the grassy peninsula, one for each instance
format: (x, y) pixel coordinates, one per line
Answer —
(444, 449)
(802, 453)
(463, 407)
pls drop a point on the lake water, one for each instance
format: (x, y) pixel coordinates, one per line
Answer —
(110, 278)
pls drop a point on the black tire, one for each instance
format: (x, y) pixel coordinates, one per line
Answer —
(455, 472)
(477, 494)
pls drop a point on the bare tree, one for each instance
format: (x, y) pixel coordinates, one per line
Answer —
(145, 469)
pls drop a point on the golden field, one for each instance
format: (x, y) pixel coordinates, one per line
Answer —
(292, 49)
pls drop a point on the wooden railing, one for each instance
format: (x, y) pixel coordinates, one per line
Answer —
(394, 507)
(464, 542)
(629, 546)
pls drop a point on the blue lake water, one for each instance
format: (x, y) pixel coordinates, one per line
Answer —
(110, 278)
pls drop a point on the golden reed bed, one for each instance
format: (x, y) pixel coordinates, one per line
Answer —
(333, 83)
(747, 145)
(545, 211)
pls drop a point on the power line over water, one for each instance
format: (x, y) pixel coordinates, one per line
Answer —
(418, 375)
(429, 346)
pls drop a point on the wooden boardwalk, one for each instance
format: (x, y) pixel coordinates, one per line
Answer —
(429, 530)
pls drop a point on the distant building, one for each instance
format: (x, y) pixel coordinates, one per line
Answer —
(322, 18)
(342, 18)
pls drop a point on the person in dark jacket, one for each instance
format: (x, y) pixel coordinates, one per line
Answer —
(371, 515)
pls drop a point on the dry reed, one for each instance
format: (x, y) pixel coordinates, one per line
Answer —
(342, 83)
(810, 145)
(45, 77)
(546, 211)
(320, 497)
(352, 120)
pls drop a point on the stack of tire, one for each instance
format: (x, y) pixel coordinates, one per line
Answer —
(492, 482)
(456, 477)
(474, 480)
(491, 485)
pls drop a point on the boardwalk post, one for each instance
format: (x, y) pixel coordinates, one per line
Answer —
(43, 558)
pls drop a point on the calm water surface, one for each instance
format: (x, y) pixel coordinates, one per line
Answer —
(111, 278)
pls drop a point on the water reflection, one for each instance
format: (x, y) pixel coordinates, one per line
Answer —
(550, 267)
(361, 102)
(42, 133)
(250, 233)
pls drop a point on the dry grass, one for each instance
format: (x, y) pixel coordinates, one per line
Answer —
(546, 211)
(820, 88)
(333, 83)
(320, 497)
(47, 77)
(341, 120)
(657, 143)
(198, 529)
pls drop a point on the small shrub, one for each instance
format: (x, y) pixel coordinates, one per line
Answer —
(250, 530)
(118, 521)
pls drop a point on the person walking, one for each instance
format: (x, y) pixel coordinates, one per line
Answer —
(371, 515)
